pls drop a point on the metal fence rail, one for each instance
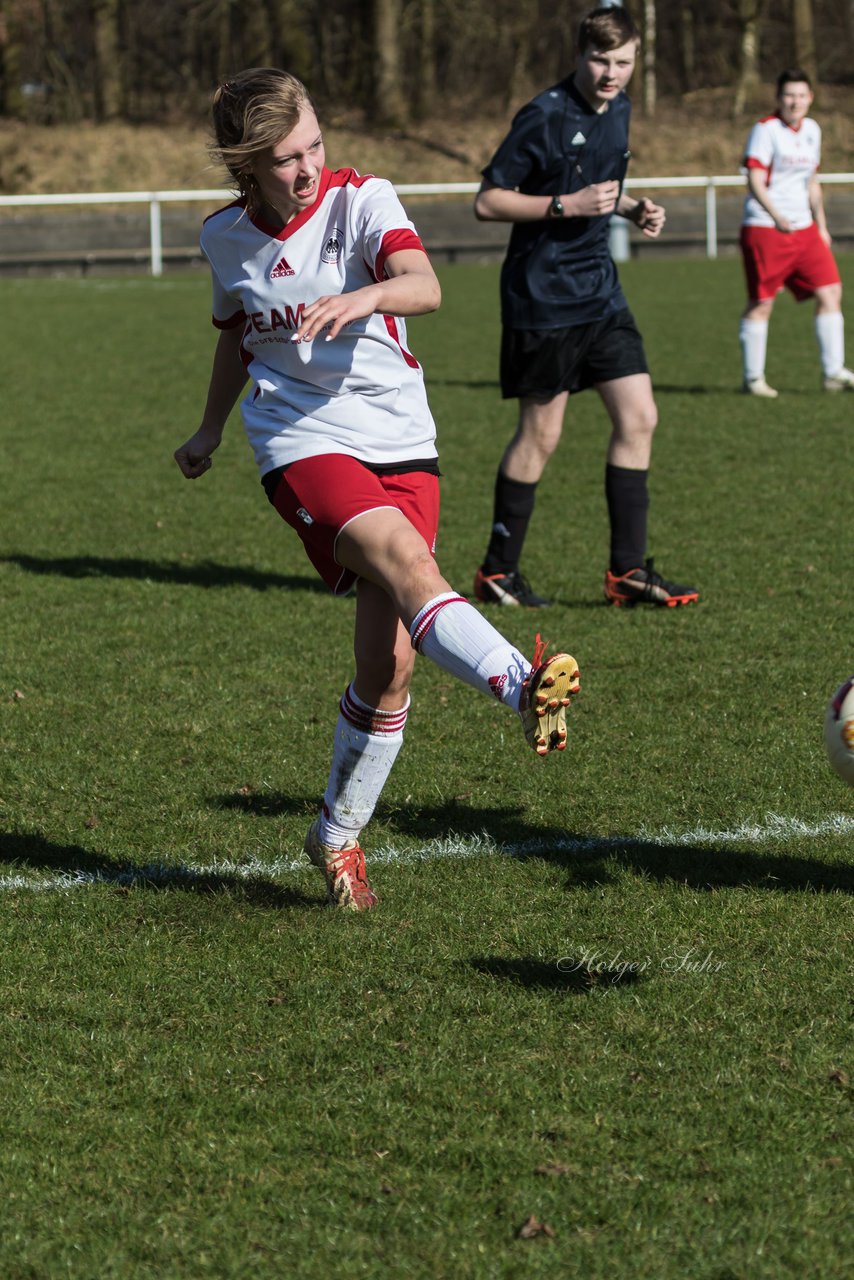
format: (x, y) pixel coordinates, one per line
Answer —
(619, 240)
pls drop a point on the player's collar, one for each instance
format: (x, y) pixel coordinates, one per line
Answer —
(795, 128)
(283, 232)
(578, 97)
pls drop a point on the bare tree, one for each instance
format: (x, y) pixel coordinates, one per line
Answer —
(687, 41)
(108, 98)
(388, 100)
(8, 61)
(803, 28)
(289, 42)
(648, 54)
(425, 80)
(64, 60)
(749, 13)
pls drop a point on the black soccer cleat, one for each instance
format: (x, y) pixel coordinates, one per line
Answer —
(507, 588)
(645, 586)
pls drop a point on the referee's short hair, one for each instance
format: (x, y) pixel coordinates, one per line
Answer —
(608, 27)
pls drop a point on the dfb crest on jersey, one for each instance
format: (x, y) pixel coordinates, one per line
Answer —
(332, 249)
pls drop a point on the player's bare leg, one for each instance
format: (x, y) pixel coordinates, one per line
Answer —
(538, 433)
(537, 436)
(631, 407)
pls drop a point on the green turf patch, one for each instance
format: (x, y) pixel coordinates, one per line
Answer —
(606, 995)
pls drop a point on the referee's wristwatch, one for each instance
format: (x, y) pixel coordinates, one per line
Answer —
(555, 209)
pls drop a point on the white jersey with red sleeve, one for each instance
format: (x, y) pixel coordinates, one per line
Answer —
(789, 157)
(361, 394)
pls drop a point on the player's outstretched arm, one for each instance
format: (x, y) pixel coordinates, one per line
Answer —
(410, 288)
(228, 377)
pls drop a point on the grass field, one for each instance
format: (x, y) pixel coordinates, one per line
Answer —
(609, 991)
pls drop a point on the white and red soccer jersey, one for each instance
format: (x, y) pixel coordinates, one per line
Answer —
(361, 394)
(789, 158)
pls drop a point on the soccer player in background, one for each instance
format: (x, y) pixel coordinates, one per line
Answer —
(784, 237)
(558, 177)
(312, 271)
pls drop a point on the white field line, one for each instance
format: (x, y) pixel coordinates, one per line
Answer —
(775, 828)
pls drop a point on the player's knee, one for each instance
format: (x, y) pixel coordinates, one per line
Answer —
(828, 298)
(549, 441)
(640, 424)
(417, 563)
(650, 420)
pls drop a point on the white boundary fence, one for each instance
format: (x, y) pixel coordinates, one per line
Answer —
(619, 233)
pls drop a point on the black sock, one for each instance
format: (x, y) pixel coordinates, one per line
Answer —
(628, 502)
(512, 511)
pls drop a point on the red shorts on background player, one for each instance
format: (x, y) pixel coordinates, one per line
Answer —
(785, 243)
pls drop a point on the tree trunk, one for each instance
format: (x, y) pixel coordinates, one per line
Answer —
(289, 40)
(687, 35)
(8, 60)
(749, 12)
(648, 54)
(425, 83)
(389, 105)
(106, 68)
(804, 32)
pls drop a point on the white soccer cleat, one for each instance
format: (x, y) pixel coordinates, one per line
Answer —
(842, 381)
(759, 387)
(347, 883)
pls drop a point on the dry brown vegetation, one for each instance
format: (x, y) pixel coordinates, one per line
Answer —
(696, 135)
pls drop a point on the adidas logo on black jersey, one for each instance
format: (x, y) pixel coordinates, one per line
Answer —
(281, 269)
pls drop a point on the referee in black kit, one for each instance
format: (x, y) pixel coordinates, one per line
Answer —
(558, 177)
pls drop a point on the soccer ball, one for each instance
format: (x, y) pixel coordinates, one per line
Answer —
(839, 731)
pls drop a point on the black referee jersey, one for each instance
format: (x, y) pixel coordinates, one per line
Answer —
(559, 272)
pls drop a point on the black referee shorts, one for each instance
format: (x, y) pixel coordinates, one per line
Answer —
(544, 362)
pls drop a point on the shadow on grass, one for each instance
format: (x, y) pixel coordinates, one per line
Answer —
(77, 866)
(696, 389)
(589, 860)
(699, 866)
(268, 804)
(707, 389)
(199, 574)
(568, 974)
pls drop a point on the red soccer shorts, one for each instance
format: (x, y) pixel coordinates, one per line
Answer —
(796, 260)
(319, 496)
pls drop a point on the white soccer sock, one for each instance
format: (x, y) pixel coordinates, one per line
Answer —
(366, 745)
(452, 633)
(830, 336)
(753, 336)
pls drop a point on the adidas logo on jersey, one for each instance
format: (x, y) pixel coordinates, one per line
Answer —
(579, 139)
(281, 269)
